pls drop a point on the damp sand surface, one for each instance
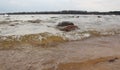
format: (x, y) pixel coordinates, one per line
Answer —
(95, 53)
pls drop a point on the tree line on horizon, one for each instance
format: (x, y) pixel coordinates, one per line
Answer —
(67, 12)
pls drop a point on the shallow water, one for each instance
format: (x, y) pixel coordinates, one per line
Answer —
(98, 53)
(89, 25)
(22, 38)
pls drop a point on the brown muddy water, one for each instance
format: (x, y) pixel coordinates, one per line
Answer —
(95, 53)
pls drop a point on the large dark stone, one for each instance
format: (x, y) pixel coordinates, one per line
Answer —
(66, 26)
(65, 23)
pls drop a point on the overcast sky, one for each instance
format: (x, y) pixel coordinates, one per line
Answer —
(55, 5)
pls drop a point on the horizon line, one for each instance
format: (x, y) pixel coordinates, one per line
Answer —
(57, 11)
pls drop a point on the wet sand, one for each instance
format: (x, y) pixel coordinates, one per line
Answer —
(95, 53)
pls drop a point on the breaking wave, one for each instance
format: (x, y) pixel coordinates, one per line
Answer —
(42, 30)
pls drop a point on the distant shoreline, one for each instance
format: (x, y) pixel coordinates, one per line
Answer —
(65, 12)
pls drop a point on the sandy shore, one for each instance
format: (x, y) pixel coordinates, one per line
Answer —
(98, 53)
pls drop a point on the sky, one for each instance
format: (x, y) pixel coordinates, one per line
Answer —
(58, 5)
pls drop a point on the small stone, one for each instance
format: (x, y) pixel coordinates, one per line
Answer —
(112, 60)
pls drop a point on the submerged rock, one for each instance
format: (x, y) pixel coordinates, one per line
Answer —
(12, 25)
(99, 16)
(69, 28)
(77, 16)
(34, 21)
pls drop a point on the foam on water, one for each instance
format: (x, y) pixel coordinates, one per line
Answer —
(88, 25)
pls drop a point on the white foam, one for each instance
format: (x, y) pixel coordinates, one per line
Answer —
(106, 24)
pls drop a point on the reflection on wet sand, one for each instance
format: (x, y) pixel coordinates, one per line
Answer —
(103, 63)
